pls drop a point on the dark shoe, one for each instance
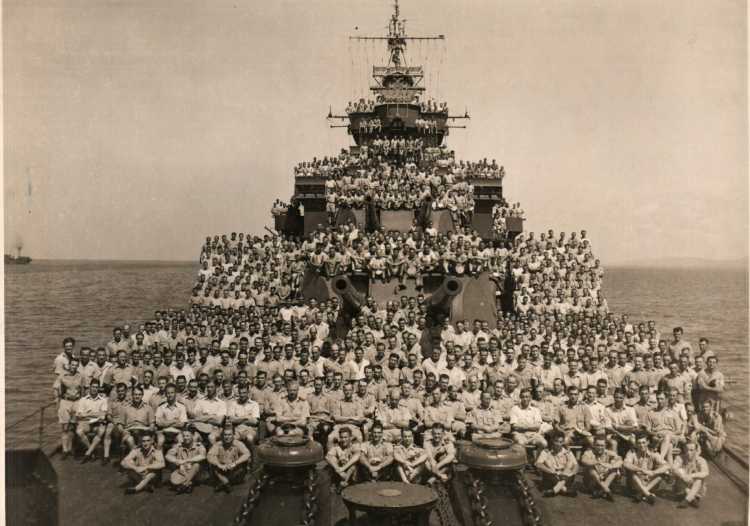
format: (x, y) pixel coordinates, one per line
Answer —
(105, 461)
(596, 494)
(571, 493)
(150, 488)
(683, 504)
(189, 488)
(548, 493)
(65, 455)
(694, 503)
(85, 459)
(130, 491)
(651, 499)
(608, 496)
(637, 499)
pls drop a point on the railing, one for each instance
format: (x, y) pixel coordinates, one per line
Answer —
(34, 426)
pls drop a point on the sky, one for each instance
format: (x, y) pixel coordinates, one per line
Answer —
(133, 129)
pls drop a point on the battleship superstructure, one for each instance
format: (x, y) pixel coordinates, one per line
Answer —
(399, 136)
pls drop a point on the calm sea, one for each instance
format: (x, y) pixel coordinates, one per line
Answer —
(47, 301)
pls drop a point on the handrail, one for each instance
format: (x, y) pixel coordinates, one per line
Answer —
(40, 431)
(27, 417)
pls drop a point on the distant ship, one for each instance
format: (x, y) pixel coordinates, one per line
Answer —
(18, 259)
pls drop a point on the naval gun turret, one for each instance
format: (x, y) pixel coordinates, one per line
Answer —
(352, 302)
(439, 303)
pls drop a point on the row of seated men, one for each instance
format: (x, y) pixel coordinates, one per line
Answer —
(328, 418)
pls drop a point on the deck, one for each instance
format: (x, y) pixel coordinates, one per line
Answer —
(92, 494)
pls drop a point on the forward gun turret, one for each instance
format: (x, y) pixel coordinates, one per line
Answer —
(439, 304)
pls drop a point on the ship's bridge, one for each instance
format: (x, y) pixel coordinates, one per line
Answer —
(389, 117)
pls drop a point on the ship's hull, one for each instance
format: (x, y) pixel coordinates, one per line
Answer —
(21, 260)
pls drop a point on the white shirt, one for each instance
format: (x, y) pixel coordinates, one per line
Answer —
(529, 417)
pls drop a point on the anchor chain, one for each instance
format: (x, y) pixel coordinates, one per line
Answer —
(253, 494)
(310, 498)
(478, 501)
(531, 514)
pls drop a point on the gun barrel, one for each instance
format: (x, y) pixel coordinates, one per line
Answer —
(351, 298)
(441, 299)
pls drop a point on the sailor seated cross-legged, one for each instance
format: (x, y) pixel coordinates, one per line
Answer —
(690, 471)
(409, 458)
(187, 456)
(601, 467)
(229, 460)
(343, 458)
(441, 454)
(645, 469)
(376, 455)
(558, 467)
(143, 464)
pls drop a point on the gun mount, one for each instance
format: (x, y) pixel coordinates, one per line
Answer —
(352, 300)
(439, 304)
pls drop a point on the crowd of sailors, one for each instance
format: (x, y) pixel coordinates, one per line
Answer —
(368, 106)
(190, 393)
(428, 126)
(370, 126)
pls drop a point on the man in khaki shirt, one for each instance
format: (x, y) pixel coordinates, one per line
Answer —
(143, 464)
(229, 460)
(186, 456)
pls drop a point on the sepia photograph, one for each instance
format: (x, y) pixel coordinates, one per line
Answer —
(384, 262)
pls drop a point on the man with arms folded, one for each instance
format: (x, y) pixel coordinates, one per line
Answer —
(171, 418)
(595, 416)
(441, 453)
(666, 427)
(601, 468)
(394, 417)
(186, 456)
(644, 469)
(122, 372)
(527, 425)
(244, 414)
(409, 458)
(62, 360)
(229, 460)
(572, 419)
(347, 413)
(210, 413)
(291, 413)
(68, 388)
(485, 421)
(558, 466)
(143, 464)
(376, 455)
(139, 419)
(710, 429)
(91, 415)
(343, 458)
(623, 422)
